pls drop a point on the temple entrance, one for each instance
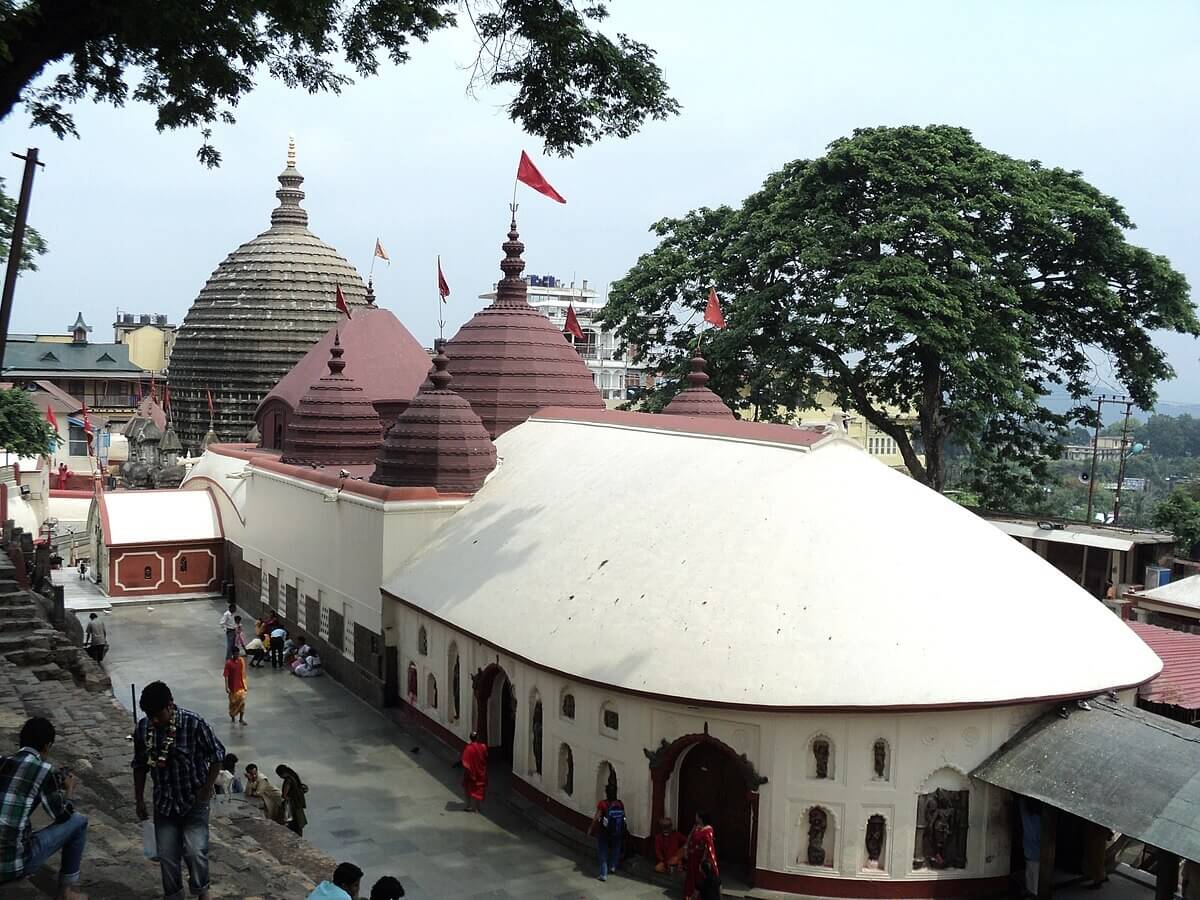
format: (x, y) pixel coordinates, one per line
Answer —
(496, 713)
(711, 781)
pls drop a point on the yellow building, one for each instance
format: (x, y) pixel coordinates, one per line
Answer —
(149, 337)
(879, 445)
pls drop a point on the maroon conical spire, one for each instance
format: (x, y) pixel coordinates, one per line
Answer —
(697, 399)
(509, 361)
(334, 423)
(437, 442)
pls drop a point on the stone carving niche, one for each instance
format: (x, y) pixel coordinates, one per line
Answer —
(816, 853)
(876, 837)
(941, 835)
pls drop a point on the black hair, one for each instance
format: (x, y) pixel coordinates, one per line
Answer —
(237, 619)
(387, 888)
(92, 616)
(346, 874)
(705, 818)
(610, 792)
(156, 697)
(232, 606)
(474, 736)
(250, 766)
(230, 762)
(37, 733)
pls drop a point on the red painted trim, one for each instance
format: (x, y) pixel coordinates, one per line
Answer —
(433, 726)
(908, 889)
(71, 494)
(755, 707)
(702, 425)
(185, 544)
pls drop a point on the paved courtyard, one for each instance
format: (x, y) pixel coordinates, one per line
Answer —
(373, 799)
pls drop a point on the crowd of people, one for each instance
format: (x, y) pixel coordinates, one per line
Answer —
(187, 765)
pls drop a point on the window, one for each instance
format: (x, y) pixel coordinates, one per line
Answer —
(423, 641)
(820, 763)
(819, 846)
(943, 813)
(535, 732)
(875, 841)
(568, 706)
(76, 440)
(146, 573)
(455, 694)
(183, 564)
(609, 720)
(431, 698)
(566, 770)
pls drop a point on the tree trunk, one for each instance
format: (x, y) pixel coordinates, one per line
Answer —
(933, 426)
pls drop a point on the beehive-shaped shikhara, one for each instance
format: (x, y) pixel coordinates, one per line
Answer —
(335, 423)
(509, 360)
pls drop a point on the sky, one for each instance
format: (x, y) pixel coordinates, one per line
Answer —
(135, 222)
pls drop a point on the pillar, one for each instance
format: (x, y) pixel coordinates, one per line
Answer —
(1166, 880)
(1048, 845)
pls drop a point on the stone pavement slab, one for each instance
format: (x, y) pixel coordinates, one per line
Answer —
(371, 800)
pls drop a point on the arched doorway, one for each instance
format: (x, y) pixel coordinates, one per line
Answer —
(710, 781)
(495, 712)
(710, 777)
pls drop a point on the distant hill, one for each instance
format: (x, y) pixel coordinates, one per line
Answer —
(1060, 404)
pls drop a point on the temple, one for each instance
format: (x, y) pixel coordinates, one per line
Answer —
(258, 314)
(679, 603)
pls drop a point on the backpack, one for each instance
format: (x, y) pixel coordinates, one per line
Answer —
(614, 819)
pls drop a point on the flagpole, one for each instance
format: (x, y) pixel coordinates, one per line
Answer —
(374, 253)
(440, 303)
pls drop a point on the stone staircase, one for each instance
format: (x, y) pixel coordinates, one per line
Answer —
(44, 672)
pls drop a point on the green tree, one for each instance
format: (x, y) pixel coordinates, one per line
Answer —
(913, 268)
(23, 429)
(1179, 514)
(195, 59)
(35, 244)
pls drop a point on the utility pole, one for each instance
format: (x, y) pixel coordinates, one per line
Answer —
(16, 245)
(1095, 452)
(1124, 456)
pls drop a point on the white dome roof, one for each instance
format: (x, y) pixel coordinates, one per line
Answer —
(710, 568)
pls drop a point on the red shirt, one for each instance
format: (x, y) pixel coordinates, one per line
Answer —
(235, 678)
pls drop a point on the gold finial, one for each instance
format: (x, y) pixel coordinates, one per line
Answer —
(291, 151)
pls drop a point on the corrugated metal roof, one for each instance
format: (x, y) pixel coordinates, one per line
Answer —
(1125, 768)
(1179, 682)
(49, 357)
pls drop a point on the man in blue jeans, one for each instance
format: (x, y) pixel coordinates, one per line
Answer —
(27, 779)
(184, 758)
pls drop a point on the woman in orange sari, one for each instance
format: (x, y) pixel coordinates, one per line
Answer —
(235, 686)
(703, 879)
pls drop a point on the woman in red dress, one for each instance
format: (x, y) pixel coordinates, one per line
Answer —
(703, 879)
(474, 763)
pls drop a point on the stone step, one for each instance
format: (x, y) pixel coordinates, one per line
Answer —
(24, 623)
(24, 641)
(31, 656)
(50, 672)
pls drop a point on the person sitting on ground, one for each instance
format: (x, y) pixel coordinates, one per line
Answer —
(227, 779)
(387, 888)
(258, 786)
(290, 648)
(27, 779)
(668, 846)
(347, 878)
(308, 666)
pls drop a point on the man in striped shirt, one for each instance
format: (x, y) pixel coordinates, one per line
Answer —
(27, 779)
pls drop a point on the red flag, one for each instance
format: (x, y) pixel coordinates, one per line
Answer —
(712, 312)
(210, 403)
(341, 302)
(52, 419)
(572, 325)
(443, 287)
(381, 253)
(527, 172)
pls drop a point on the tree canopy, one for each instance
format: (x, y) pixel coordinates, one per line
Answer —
(195, 59)
(913, 269)
(1180, 515)
(23, 429)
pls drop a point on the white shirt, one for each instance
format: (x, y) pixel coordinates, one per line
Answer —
(227, 621)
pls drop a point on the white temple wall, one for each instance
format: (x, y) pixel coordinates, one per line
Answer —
(338, 551)
(924, 751)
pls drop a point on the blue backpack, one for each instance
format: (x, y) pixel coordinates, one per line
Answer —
(614, 819)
